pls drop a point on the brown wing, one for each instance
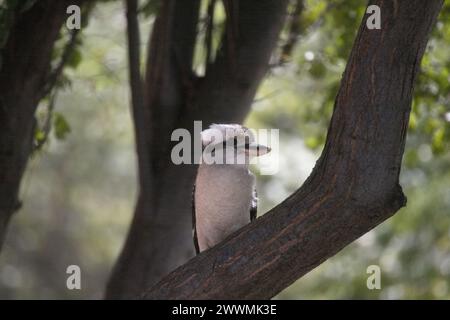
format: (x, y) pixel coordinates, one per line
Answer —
(194, 229)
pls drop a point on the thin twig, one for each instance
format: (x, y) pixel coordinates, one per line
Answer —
(56, 73)
(209, 32)
(47, 123)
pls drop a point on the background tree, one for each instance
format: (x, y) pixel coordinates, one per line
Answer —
(85, 224)
(354, 185)
(28, 35)
(160, 237)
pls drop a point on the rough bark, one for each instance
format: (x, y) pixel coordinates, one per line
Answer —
(354, 185)
(24, 74)
(160, 236)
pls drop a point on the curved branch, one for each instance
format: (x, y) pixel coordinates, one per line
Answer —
(354, 185)
(160, 237)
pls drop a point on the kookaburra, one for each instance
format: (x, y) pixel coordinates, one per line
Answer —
(224, 197)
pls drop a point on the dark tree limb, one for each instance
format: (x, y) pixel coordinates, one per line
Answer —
(169, 65)
(140, 113)
(352, 189)
(25, 68)
(226, 93)
(160, 237)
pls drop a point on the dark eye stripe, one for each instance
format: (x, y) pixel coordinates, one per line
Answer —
(235, 142)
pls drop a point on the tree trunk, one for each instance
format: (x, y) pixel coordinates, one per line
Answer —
(160, 237)
(24, 71)
(354, 185)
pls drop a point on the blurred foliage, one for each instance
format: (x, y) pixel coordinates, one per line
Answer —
(67, 52)
(328, 31)
(62, 127)
(79, 193)
(412, 248)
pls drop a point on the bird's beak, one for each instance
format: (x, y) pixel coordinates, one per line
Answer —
(256, 150)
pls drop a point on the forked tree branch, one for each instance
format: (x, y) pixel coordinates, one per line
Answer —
(160, 236)
(354, 185)
(169, 60)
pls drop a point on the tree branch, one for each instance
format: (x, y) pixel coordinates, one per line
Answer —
(25, 67)
(354, 185)
(227, 91)
(169, 64)
(56, 73)
(169, 71)
(140, 114)
(160, 237)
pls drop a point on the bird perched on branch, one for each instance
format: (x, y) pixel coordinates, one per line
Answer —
(224, 198)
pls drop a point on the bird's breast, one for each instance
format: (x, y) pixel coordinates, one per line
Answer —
(223, 196)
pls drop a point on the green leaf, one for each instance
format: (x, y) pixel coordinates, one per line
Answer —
(317, 70)
(438, 140)
(312, 142)
(412, 121)
(60, 125)
(39, 135)
(74, 59)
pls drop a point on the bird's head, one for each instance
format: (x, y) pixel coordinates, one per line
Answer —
(235, 142)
